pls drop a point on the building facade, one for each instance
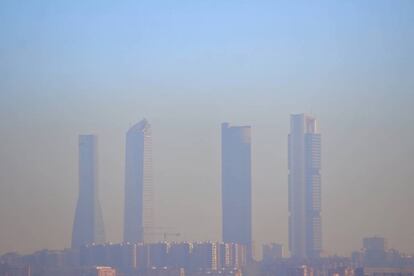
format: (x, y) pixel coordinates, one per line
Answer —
(236, 185)
(272, 252)
(138, 211)
(88, 225)
(305, 233)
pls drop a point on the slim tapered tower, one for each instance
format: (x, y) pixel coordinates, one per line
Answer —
(305, 233)
(236, 185)
(88, 225)
(138, 211)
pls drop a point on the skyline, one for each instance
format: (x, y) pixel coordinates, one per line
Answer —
(233, 139)
(219, 239)
(73, 67)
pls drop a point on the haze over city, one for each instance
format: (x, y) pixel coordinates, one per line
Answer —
(71, 68)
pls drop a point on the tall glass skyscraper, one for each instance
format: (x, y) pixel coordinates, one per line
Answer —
(138, 211)
(88, 225)
(236, 185)
(305, 233)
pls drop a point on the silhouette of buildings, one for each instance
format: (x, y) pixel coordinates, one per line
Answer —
(272, 252)
(374, 251)
(138, 211)
(305, 236)
(88, 225)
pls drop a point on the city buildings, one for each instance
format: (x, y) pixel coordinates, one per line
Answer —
(271, 252)
(388, 271)
(99, 271)
(137, 256)
(305, 235)
(232, 255)
(128, 259)
(375, 251)
(14, 270)
(378, 244)
(138, 212)
(179, 255)
(88, 225)
(236, 185)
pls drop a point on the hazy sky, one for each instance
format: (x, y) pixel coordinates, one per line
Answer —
(72, 67)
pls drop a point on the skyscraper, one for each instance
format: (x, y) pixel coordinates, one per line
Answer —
(236, 185)
(138, 212)
(88, 225)
(305, 236)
